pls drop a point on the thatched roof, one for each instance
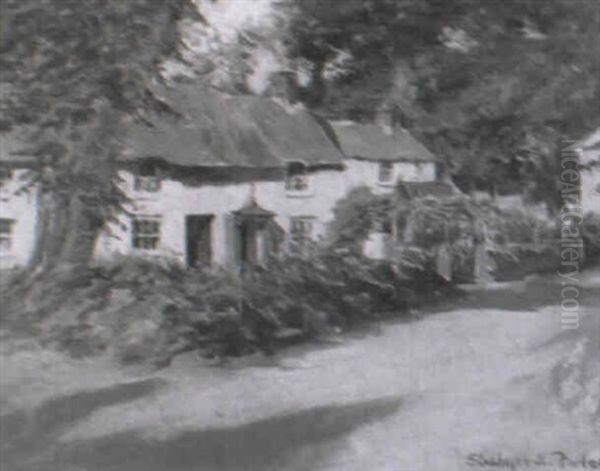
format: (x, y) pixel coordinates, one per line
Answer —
(219, 130)
(372, 142)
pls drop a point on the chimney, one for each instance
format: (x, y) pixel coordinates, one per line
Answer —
(391, 117)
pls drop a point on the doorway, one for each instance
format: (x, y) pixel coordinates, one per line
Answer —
(198, 229)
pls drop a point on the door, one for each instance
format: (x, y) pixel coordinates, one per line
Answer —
(249, 248)
(199, 239)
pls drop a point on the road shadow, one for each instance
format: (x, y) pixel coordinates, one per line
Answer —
(31, 431)
(265, 445)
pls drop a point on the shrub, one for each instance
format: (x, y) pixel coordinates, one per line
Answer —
(518, 226)
(590, 233)
(517, 262)
(144, 311)
(355, 216)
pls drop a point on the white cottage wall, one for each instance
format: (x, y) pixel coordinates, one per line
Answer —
(590, 182)
(366, 173)
(20, 207)
(175, 200)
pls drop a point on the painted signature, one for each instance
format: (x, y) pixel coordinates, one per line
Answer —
(552, 460)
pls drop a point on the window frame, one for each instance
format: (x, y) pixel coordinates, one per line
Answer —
(387, 167)
(6, 236)
(297, 180)
(6, 177)
(6, 174)
(147, 179)
(152, 236)
(300, 245)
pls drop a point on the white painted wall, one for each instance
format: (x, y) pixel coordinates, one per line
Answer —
(366, 173)
(22, 208)
(590, 182)
(175, 200)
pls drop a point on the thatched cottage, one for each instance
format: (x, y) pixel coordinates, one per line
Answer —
(227, 182)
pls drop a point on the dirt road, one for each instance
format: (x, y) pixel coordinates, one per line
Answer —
(460, 386)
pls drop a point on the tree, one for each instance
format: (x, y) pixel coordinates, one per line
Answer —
(72, 71)
(478, 81)
(356, 215)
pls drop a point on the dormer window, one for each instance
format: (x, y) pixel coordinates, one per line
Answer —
(385, 172)
(297, 180)
(147, 179)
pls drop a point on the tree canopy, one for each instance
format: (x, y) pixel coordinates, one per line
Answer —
(489, 86)
(71, 71)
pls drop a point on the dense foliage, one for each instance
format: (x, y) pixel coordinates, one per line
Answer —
(72, 70)
(145, 311)
(519, 242)
(356, 215)
(590, 233)
(430, 221)
(490, 86)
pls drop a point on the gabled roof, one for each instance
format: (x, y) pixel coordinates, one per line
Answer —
(219, 130)
(372, 142)
(412, 190)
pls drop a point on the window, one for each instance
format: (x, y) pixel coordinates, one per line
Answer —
(297, 179)
(147, 179)
(297, 183)
(301, 229)
(147, 184)
(6, 228)
(146, 232)
(386, 172)
(5, 177)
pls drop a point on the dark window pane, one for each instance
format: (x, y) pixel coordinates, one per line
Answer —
(385, 171)
(145, 233)
(6, 226)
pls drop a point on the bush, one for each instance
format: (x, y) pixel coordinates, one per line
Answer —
(355, 216)
(516, 262)
(590, 233)
(517, 226)
(459, 223)
(143, 311)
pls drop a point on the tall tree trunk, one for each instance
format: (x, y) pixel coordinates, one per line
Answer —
(76, 194)
(66, 232)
